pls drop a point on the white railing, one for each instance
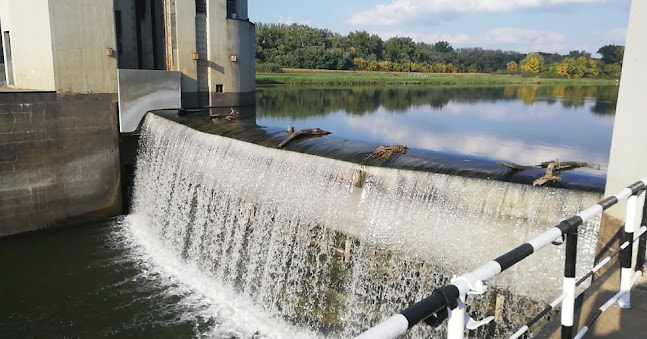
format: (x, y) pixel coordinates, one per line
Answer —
(449, 300)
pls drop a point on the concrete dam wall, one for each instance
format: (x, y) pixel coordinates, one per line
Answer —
(59, 160)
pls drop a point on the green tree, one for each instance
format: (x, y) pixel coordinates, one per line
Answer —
(398, 49)
(442, 47)
(512, 67)
(612, 54)
(577, 54)
(366, 45)
(532, 63)
(360, 64)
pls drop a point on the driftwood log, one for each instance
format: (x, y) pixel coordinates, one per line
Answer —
(387, 152)
(549, 176)
(301, 133)
(557, 165)
(553, 169)
(231, 116)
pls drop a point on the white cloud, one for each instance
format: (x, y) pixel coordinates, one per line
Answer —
(493, 145)
(400, 11)
(527, 40)
(459, 38)
(512, 38)
(290, 20)
(618, 34)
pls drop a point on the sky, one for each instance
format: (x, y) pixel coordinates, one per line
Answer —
(518, 25)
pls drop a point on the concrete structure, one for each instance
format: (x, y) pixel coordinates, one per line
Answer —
(210, 42)
(59, 126)
(627, 162)
(45, 47)
(59, 160)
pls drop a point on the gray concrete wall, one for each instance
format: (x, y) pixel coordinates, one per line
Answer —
(61, 45)
(232, 55)
(627, 161)
(180, 27)
(82, 32)
(28, 23)
(59, 160)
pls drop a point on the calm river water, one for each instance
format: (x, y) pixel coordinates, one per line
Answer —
(522, 124)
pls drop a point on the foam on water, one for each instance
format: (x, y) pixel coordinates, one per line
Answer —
(290, 245)
(228, 314)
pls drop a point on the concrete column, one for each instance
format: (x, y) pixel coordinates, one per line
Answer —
(83, 51)
(627, 161)
(28, 23)
(232, 55)
(181, 44)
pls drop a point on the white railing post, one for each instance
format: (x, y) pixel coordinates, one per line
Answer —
(626, 257)
(568, 285)
(456, 322)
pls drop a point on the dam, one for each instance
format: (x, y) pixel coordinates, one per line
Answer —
(227, 238)
(311, 237)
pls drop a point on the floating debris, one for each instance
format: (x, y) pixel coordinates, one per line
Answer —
(231, 117)
(387, 152)
(301, 133)
(553, 169)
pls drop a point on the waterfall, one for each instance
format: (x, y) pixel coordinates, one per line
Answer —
(331, 247)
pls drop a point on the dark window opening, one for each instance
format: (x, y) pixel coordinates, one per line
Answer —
(200, 6)
(6, 39)
(231, 9)
(1, 49)
(219, 88)
(118, 32)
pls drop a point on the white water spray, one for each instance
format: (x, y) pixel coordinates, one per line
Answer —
(331, 247)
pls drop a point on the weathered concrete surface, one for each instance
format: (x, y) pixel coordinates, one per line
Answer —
(180, 32)
(82, 31)
(615, 322)
(231, 59)
(61, 45)
(28, 23)
(59, 160)
(627, 162)
(141, 91)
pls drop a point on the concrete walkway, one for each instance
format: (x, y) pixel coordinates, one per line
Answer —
(614, 322)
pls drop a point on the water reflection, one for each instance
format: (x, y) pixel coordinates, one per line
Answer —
(306, 102)
(524, 124)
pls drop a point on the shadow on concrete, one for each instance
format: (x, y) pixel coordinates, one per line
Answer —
(614, 322)
(3, 77)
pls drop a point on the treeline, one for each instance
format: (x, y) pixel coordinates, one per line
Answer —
(301, 46)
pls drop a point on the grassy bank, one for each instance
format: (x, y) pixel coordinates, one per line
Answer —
(358, 78)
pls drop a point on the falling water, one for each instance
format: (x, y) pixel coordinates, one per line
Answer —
(328, 248)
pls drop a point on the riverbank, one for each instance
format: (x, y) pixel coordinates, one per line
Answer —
(359, 78)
